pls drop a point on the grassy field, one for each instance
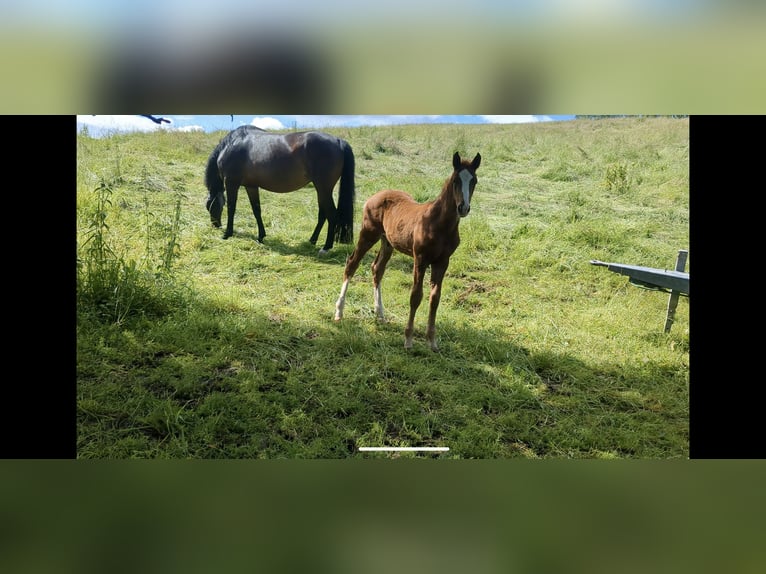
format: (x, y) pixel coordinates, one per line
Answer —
(189, 346)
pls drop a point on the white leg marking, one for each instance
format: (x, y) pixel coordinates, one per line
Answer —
(378, 302)
(341, 302)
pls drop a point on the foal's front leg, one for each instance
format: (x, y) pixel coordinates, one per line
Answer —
(416, 296)
(437, 276)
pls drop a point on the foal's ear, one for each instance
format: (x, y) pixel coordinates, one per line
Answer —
(476, 161)
(456, 163)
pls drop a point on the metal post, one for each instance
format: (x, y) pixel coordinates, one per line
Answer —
(673, 300)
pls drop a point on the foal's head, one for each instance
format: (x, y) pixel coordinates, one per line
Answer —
(463, 181)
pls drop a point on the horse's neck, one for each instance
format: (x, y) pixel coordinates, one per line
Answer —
(445, 205)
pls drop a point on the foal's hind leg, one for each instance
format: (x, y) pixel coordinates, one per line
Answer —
(378, 269)
(366, 240)
(255, 203)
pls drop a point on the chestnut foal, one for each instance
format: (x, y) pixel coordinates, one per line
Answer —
(428, 232)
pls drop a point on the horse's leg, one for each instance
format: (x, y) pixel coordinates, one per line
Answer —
(232, 189)
(320, 223)
(416, 296)
(367, 239)
(328, 211)
(255, 203)
(437, 276)
(378, 269)
(214, 205)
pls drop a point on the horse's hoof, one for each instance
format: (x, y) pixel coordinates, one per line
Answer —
(322, 252)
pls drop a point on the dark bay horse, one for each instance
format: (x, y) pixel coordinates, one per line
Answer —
(282, 163)
(428, 232)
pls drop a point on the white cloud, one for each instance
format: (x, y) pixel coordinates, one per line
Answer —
(514, 119)
(310, 122)
(118, 123)
(267, 123)
(99, 126)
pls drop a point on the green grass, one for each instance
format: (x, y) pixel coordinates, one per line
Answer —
(189, 346)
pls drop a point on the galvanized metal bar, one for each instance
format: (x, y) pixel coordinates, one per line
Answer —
(650, 277)
(673, 300)
(676, 281)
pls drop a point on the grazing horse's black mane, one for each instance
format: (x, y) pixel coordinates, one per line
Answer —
(243, 130)
(212, 177)
(247, 128)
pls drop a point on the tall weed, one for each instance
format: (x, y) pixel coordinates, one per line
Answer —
(113, 285)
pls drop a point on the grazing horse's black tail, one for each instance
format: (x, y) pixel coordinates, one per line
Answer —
(344, 231)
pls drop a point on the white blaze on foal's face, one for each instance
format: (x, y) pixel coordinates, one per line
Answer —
(466, 178)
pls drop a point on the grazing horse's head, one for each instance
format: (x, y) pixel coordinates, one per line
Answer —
(463, 182)
(214, 204)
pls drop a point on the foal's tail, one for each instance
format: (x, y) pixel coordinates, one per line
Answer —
(344, 231)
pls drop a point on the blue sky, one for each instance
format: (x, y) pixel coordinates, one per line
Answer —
(99, 125)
